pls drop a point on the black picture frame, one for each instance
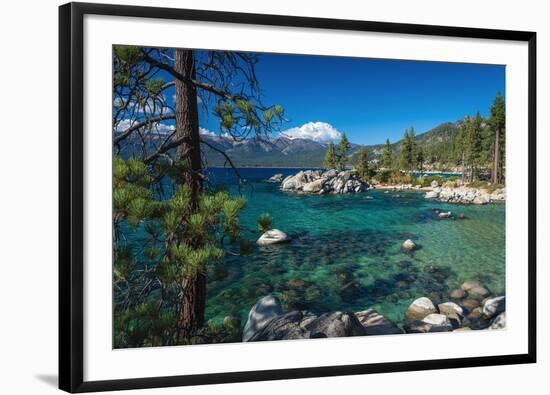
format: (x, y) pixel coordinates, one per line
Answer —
(71, 224)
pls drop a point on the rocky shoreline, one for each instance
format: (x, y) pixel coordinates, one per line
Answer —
(466, 195)
(322, 182)
(348, 182)
(469, 307)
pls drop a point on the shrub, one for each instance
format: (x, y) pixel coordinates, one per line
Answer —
(265, 222)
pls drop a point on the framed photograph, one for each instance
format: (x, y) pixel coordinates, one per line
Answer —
(258, 197)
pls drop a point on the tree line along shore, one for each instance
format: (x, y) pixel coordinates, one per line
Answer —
(476, 152)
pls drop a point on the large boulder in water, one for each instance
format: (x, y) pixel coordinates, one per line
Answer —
(420, 308)
(478, 293)
(376, 324)
(273, 236)
(306, 325)
(330, 181)
(336, 324)
(261, 313)
(314, 186)
(285, 327)
(439, 322)
(494, 306)
(291, 183)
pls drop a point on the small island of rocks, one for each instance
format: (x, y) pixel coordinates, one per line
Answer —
(322, 182)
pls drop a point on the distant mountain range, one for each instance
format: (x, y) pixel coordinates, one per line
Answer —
(286, 152)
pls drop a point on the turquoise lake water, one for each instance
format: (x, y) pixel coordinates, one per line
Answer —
(346, 250)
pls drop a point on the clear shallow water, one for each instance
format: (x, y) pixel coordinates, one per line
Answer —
(346, 250)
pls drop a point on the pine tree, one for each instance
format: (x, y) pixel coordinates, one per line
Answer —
(387, 160)
(497, 123)
(414, 149)
(420, 159)
(407, 151)
(330, 157)
(472, 140)
(363, 168)
(160, 187)
(343, 148)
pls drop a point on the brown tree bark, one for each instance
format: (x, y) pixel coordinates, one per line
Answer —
(193, 290)
(496, 158)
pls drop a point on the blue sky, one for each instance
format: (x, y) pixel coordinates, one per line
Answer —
(371, 99)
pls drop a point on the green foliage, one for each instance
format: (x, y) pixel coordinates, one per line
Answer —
(127, 54)
(498, 113)
(426, 181)
(393, 177)
(244, 114)
(497, 138)
(408, 154)
(342, 155)
(471, 134)
(383, 176)
(154, 86)
(330, 157)
(420, 158)
(183, 236)
(265, 222)
(363, 167)
(387, 156)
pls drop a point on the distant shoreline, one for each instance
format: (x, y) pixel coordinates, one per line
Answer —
(320, 168)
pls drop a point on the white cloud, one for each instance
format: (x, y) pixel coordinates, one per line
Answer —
(158, 127)
(163, 128)
(206, 132)
(321, 132)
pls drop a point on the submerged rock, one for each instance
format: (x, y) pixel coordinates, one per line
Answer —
(457, 294)
(376, 324)
(273, 236)
(478, 293)
(467, 285)
(261, 313)
(447, 214)
(420, 308)
(408, 245)
(350, 291)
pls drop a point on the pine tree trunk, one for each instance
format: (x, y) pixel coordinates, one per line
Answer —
(496, 158)
(193, 290)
